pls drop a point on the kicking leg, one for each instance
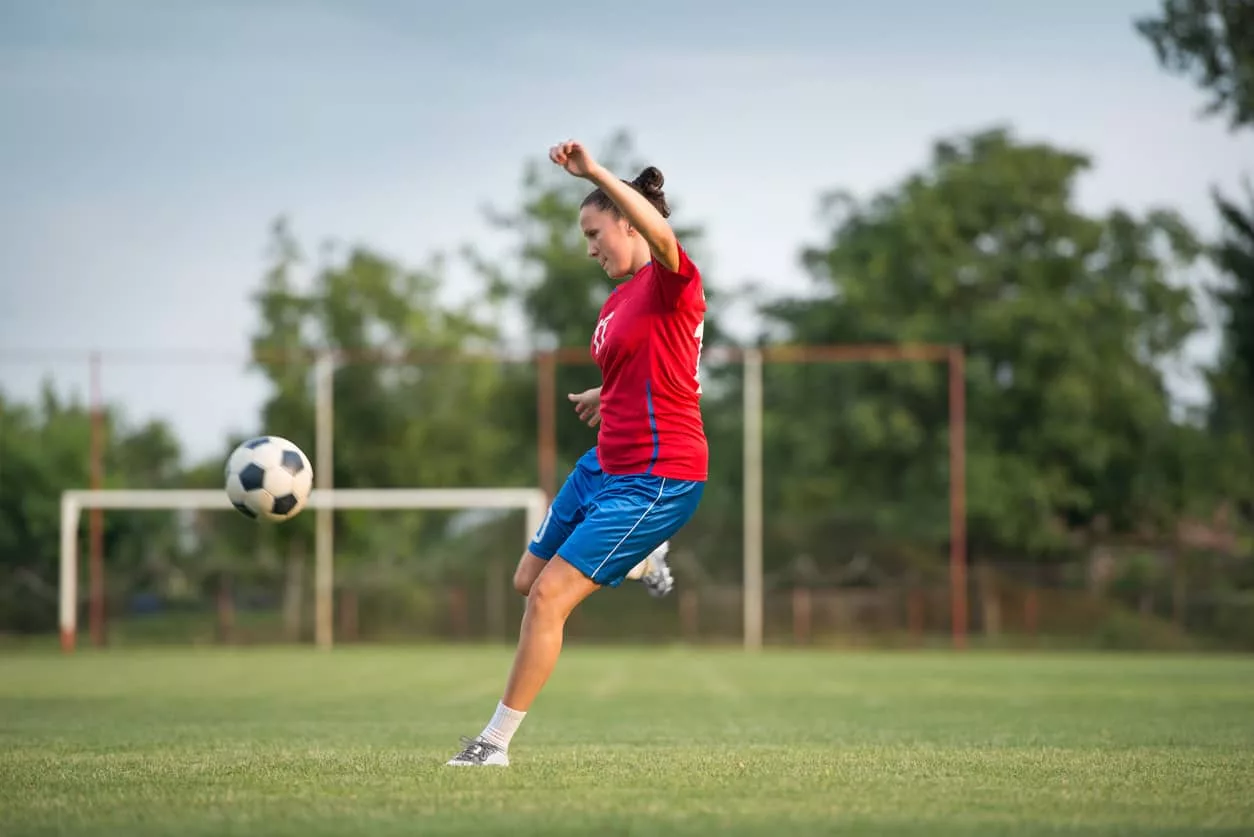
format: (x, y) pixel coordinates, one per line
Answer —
(529, 568)
(557, 591)
(653, 572)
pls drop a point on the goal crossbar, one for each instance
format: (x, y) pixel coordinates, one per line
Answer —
(532, 501)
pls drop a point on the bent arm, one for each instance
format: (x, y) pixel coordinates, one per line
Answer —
(642, 215)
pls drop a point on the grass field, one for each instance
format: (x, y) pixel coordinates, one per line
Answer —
(626, 741)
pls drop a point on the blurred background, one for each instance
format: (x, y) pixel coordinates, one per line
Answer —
(991, 265)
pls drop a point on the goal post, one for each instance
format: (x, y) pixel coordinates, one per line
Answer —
(754, 361)
(532, 501)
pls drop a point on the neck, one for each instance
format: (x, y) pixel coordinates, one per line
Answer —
(640, 261)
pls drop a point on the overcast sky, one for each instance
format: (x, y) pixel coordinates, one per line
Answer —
(147, 144)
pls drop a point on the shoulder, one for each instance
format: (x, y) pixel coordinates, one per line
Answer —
(680, 287)
(685, 271)
(685, 267)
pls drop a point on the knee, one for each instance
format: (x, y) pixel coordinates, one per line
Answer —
(544, 601)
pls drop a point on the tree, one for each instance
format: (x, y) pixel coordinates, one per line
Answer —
(1234, 256)
(45, 449)
(407, 413)
(1065, 319)
(1231, 412)
(1212, 41)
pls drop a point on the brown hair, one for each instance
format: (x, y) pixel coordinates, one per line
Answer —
(648, 183)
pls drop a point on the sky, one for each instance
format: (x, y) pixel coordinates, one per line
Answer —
(146, 145)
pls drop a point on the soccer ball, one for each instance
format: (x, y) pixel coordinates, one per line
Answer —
(268, 478)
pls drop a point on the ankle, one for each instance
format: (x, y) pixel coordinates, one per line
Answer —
(505, 722)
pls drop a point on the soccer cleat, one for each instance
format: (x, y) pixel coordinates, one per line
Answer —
(479, 753)
(657, 577)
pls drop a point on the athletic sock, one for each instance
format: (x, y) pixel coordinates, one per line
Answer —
(502, 727)
(637, 572)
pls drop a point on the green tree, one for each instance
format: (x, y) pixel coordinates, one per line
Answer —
(45, 449)
(1065, 319)
(1211, 41)
(406, 413)
(1232, 379)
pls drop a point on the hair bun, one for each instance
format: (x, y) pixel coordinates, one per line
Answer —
(650, 181)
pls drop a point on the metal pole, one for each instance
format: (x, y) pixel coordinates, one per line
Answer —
(96, 516)
(958, 497)
(546, 421)
(68, 615)
(324, 530)
(753, 498)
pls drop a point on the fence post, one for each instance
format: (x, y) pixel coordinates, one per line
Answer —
(546, 422)
(324, 530)
(957, 496)
(753, 596)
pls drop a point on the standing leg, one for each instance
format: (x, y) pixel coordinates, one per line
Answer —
(629, 520)
(557, 591)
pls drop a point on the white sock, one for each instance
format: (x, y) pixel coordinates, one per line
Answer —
(502, 727)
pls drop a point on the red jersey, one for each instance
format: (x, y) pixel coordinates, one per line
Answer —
(648, 345)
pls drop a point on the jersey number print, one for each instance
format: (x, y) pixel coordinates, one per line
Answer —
(598, 336)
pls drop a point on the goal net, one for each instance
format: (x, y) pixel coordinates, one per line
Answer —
(533, 502)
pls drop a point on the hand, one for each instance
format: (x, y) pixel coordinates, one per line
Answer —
(588, 406)
(573, 157)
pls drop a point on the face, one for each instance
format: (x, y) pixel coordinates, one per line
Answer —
(611, 241)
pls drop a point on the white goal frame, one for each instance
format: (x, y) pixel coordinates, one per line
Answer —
(533, 501)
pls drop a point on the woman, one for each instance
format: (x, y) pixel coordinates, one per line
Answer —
(642, 482)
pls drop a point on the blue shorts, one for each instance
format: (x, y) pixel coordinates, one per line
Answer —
(605, 524)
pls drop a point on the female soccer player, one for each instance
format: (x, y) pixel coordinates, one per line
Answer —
(642, 482)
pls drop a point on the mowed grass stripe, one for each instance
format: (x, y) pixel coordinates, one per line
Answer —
(626, 741)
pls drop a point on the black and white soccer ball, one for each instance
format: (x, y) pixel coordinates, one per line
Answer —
(268, 478)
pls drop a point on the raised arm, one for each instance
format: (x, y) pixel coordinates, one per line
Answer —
(635, 207)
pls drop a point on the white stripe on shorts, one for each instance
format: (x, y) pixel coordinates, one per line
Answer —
(643, 515)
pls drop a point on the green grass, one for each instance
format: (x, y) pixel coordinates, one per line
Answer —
(626, 741)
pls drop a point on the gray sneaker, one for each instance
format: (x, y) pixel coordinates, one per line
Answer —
(657, 576)
(479, 753)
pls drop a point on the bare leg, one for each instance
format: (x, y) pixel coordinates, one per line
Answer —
(529, 569)
(556, 592)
